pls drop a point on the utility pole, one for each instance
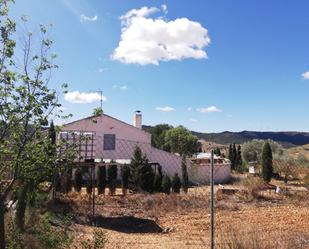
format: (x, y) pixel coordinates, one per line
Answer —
(212, 209)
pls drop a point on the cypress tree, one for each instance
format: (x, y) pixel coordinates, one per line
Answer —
(234, 157)
(166, 185)
(267, 162)
(125, 174)
(157, 183)
(185, 178)
(78, 180)
(89, 185)
(101, 179)
(176, 184)
(67, 182)
(238, 159)
(231, 153)
(112, 178)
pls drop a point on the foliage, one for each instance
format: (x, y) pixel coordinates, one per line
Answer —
(166, 184)
(185, 178)
(142, 174)
(158, 133)
(157, 183)
(97, 111)
(267, 162)
(252, 151)
(21, 206)
(101, 179)
(176, 183)
(89, 185)
(78, 180)
(66, 182)
(180, 140)
(112, 178)
(217, 151)
(125, 175)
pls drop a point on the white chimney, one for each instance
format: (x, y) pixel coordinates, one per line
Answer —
(137, 120)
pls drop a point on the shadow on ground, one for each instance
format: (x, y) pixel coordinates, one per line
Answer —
(128, 224)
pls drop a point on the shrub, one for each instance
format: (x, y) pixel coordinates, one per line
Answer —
(66, 182)
(125, 174)
(101, 179)
(89, 185)
(166, 185)
(146, 177)
(267, 162)
(78, 180)
(157, 183)
(185, 178)
(112, 178)
(176, 184)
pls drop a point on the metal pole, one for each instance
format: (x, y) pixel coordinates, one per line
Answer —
(212, 209)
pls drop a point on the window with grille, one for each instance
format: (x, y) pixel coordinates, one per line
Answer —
(109, 142)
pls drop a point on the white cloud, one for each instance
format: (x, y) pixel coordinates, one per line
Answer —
(101, 70)
(123, 87)
(164, 9)
(189, 109)
(305, 75)
(165, 109)
(209, 109)
(84, 18)
(145, 40)
(193, 120)
(83, 98)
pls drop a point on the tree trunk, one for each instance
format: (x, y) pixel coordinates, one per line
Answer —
(2, 227)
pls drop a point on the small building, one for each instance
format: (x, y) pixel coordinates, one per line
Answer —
(200, 169)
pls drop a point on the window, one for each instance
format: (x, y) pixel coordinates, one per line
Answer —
(109, 142)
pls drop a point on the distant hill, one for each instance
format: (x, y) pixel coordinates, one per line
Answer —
(287, 139)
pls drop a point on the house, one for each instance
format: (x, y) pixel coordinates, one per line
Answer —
(108, 139)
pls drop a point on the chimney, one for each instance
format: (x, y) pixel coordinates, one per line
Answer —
(137, 121)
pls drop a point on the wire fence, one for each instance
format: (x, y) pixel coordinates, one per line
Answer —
(246, 210)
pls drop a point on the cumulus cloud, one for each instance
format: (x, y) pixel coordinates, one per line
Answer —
(305, 75)
(209, 109)
(83, 98)
(189, 109)
(149, 40)
(84, 18)
(165, 109)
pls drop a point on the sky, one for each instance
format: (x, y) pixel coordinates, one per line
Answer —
(211, 66)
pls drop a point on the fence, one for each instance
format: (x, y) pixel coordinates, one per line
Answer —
(243, 212)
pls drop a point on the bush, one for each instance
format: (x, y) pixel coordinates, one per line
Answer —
(185, 178)
(166, 185)
(157, 183)
(125, 174)
(66, 182)
(146, 177)
(78, 180)
(101, 179)
(176, 184)
(112, 178)
(89, 185)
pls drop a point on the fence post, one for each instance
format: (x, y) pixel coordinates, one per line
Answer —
(212, 211)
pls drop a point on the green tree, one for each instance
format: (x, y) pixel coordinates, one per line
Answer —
(231, 153)
(89, 185)
(166, 185)
(141, 172)
(176, 183)
(185, 178)
(267, 162)
(180, 140)
(21, 206)
(101, 179)
(112, 178)
(239, 162)
(78, 180)
(125, 175)
(158, 133)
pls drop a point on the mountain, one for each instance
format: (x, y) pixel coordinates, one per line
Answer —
(287, 139)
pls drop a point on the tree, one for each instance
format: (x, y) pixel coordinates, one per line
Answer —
(21, 206)
(239, 162)
(176, 183)
(267, 162)
(78, 180)
(185, 178)
(66, 182)
(125, 175)
(141, 172)
(26, 104)
(157, 183)
(217, 151)
(101, 179)
(89, 185)
(158, 133)
(231, 153)
(112, 178)
(180, 140)
(166, 185)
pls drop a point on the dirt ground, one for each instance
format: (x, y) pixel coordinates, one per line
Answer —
(183, 221)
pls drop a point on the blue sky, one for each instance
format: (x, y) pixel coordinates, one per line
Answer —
(250, 76)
